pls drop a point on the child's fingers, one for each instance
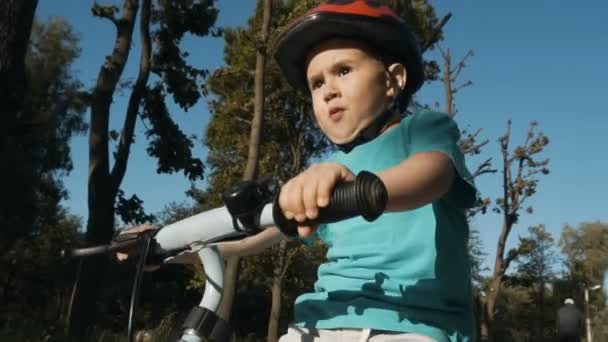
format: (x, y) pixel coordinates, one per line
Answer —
(122, 256)
(306, 231)
(324, 189)
(297, 202)
(309, 198)
(290, 200)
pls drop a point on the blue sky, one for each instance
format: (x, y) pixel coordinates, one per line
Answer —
(537, 60)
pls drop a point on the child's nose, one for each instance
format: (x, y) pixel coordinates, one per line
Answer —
(329, 92)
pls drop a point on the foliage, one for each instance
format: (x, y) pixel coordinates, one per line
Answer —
(477, 257)
(36, 281)
(511, 314)
(535, 271)
(32, 186)
(536, 256)
(16, 21)
(130, 210)
(162, 26)
(520, 169)
(585, 251)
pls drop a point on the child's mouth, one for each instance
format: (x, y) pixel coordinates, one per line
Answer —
(336, 113)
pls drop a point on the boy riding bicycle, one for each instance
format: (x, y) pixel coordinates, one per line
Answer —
(406, 275)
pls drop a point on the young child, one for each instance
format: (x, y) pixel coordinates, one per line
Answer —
(405, 276)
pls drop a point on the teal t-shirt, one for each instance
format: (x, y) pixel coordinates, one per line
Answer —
(406, 271)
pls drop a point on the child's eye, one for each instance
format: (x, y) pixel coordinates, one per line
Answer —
(316, 84)
(344, 70)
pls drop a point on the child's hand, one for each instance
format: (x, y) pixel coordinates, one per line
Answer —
(302, 195)
(138, 229)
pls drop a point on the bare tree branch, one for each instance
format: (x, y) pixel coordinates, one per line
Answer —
(437, 32)
(240, 119)
(287, 260)
(462, 64)
(464, 85)
(484, 168)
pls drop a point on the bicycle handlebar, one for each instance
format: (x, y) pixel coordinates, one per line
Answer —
(115, 246)
(366, 196)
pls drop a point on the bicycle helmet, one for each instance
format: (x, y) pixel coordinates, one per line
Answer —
(366, 21)
(369, 22)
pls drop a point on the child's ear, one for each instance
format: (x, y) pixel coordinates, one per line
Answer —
(397, 78)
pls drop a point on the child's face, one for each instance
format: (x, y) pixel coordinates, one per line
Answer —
(349, 88)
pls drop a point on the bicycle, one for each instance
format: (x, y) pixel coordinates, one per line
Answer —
(249, 207)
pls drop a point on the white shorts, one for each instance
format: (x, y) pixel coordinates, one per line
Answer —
(297, 334)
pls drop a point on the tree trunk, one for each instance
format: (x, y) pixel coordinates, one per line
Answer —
(493, 295)
(258, 105)
(101, 188)
(84, 301)
(231, 273)
(277, 293)
(251, 169)
(500, 264)
(541, 323)
(447, 83)
(484, 329)
(16, 18)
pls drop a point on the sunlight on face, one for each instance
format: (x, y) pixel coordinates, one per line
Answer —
(349, 88)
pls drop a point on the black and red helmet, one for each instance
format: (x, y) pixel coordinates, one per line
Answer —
(367, 21)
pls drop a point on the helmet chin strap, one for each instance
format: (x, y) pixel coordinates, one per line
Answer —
(371, 131)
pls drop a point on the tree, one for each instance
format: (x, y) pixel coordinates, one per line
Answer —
(449, 76)
(34, 225)
(32, 187)
(161, 56)
(287, 139)
(34, 281)
(251, 167)
(520, 169)
(468, 144)
(15, 27)
(585, 250)
(535, 271)
(513, 314)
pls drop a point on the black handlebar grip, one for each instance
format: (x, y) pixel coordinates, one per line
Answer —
(365, 196)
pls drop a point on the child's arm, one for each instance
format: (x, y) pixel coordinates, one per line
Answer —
(421, 179)
(251, 245)
(432, 169)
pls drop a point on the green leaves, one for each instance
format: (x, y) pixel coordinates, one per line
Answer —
(130, 210)
(586, 251)
(167, 142)
(172, 20)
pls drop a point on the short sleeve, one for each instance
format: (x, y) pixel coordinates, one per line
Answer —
(432, 131)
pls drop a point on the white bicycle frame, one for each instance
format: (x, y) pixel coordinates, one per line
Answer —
(201, 234)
